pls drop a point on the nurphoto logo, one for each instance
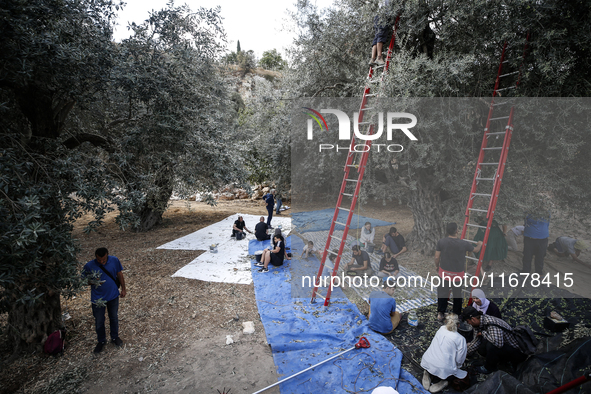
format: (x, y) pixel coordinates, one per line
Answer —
(345, 129)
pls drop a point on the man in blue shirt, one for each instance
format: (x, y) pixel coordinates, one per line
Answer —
(383, 317)
(535, 242)
(270, 200)
(102, 273)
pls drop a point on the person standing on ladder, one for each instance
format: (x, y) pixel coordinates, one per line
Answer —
(383, 34)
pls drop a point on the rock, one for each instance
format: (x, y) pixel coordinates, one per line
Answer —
(229, 340)
(226, 196)
(266, 190)
(248, 327)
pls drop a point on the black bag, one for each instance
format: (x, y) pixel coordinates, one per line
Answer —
(116, 280)
(525, 337)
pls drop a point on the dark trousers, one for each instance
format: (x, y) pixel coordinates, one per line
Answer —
(270, 211)
(534, 247)
(494, 355)
(99, 319)
(443, 295)
(279, 204)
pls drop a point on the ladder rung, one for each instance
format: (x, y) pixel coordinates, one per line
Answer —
(344, 209)
(489, 164)
(500, 132)
(320, 295)
(477, 210)
(472, 258)
(347, 194)
(475, 225)
(331, 252)
(502, 117)
(480, 194)
(510, 87)
(485, 179)
(364, 123)
(494, 148)
(376, 67)
(471, 241)
(503, 103)
(366, 109)
(506, 75)
(342, 224)
(352, 180)
(371, 95)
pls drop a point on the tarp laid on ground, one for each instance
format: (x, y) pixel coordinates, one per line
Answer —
(321, 220)
(230, 264)
(302, 334)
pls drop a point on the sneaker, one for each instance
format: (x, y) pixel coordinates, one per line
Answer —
(263, 270)
(437, 387)
(440, 316)
(99, 347)
(372, 62)
(380, 62)
(271, 227)
(117, 341)
(379, 252)
(482, 369)
(426, 380)
(259, 264)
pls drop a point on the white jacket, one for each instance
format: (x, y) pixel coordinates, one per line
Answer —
(367, 237)
(445, 355)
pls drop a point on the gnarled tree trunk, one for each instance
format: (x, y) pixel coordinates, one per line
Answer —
(427, 211)
(157, 199)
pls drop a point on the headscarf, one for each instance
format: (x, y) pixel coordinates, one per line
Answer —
(477, 293)
(365, 230)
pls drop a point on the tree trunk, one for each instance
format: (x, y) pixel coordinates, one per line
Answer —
(157, 199)
(427, 211)
(29, 324)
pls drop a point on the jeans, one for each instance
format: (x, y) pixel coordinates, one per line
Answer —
(99, 319)
(270, 211)
(534, 247)
(279, 204)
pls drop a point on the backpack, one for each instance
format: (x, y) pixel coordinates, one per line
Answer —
(525, 338)
(55, 343)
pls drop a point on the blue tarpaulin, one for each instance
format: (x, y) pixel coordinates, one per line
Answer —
(321, 220)
(302, 334)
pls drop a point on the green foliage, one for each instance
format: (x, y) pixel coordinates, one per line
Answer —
(238, 50)
(272, 60)
(246, 61)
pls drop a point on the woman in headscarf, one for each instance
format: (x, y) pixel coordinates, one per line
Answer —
(482, 304)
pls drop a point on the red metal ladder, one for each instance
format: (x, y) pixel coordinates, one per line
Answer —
(355, 160)
(484, 175)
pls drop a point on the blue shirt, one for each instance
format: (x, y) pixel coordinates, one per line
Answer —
(536, 228)
(381, 305)
(269, 200)
(107, 291)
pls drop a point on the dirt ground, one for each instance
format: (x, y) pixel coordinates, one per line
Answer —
(174, 329)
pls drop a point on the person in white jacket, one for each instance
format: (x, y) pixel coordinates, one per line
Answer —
(368, 233)
(445, 356)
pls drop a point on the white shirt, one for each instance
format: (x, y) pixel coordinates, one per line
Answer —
(445, 355)
(518, 230)
(367, 237)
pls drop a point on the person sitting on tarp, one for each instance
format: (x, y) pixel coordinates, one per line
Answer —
(483, 305)
(493, 340)
(238, 228)
(367, 235)
(388, 266)
(565, 246)
(275, 256)
(359, 263)
(394, 241)
(444, 357)
(383, 317)
(260, 230)
(310, 250)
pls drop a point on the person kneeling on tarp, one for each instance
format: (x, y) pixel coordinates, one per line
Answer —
(275, 256)
(383, 317)
(445, 356)
(493, 339)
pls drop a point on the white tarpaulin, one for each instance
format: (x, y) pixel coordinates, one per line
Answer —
(230, 264)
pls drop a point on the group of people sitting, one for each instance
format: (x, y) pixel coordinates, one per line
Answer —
(492, 338)
(393, 245)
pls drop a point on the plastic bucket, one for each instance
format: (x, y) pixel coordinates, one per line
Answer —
(257, 255)
(466, 331)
